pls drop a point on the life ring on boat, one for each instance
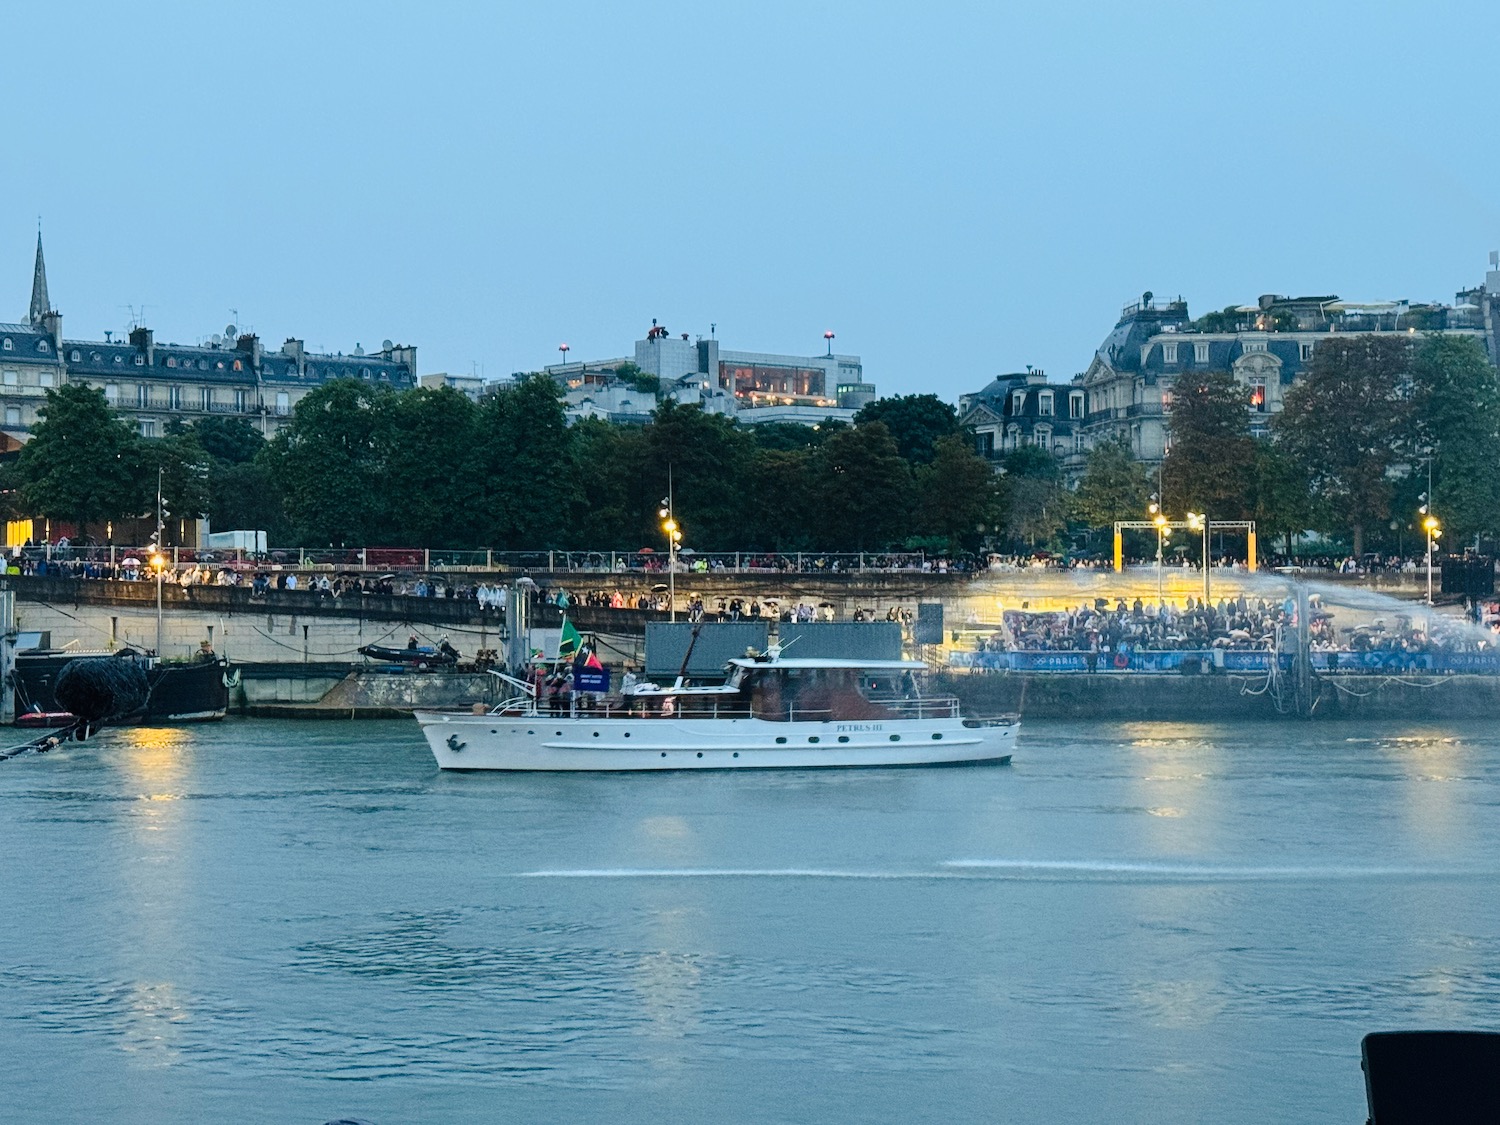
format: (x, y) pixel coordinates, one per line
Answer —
(1121, 660)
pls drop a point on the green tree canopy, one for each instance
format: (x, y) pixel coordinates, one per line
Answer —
(1115, 486)
(916, 422)
(1456, 407)
(957, 495)
(432, 488)
(1346, 425)
(1212, 459)
(525, 465)
(1033, 496)
(83, 462)
(705, 457)
(866, 492)
(330, 464)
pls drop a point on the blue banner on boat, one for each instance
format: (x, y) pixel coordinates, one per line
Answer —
(591, 679)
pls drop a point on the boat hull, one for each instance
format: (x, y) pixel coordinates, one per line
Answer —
(541, 742)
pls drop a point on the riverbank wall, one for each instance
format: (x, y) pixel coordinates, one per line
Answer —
(1220, 698)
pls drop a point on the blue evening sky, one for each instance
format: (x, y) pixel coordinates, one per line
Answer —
(955, 189)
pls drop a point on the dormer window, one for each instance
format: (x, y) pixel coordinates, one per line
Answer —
(1200, 353)
(119, 359)
(1044, 403)
(238, 366)
(171, 361)
(1169, 353)
(1075, 404)
(1018, 402)
(93, 357)
(140, 361)
(1255, 345)
(41, 346)
(9, 346)
(75, 356)
(203, 365)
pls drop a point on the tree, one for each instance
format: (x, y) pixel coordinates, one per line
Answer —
(185, 470)
(916, 422)
(432, 491)
(867, 489)
(1281, 501)
(1114, 487)
(232, 441)
(1456, 407)
(524, 462)
(781, 500)
(609, 462)
(1035, 500)
(1346, 426)
(329, 464)
(706, 457)
(957, 495)
(1212, 459)
(83, 462)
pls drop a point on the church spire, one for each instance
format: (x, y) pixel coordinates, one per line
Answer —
(41, 304)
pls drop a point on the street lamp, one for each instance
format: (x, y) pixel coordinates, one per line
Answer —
(1434, 533)
(673, 532)
(1199, 522)
(1160, 521)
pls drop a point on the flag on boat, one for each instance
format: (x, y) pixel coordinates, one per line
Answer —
(570, 642)
(592, 662)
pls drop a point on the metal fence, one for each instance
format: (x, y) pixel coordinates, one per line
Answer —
(415, 559)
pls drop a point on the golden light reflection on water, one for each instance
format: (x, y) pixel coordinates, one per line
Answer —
(1436, 768)
(1176, 760)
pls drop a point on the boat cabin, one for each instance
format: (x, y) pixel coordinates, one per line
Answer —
(809, 690)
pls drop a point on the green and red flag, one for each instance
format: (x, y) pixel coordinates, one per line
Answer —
(570, 641)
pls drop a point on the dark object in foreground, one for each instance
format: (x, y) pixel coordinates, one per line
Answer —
(99, 689)
(1432, 1077)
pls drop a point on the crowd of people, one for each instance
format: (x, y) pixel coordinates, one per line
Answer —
(1233, 624)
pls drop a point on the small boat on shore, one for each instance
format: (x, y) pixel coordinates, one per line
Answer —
(769, 713)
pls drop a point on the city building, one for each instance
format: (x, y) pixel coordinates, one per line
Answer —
(472, 387)
(1266, 347)
(1022, 409)
(751, 386)
(152, 383)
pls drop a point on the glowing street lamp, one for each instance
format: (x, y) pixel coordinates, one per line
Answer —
(673, 532)
(1160, 520)
(1434, 531)
(1199, 522)
(828, 336)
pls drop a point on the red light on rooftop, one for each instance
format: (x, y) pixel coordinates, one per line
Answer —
(828, 335)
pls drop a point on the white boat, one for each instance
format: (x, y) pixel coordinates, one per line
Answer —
(770, 713)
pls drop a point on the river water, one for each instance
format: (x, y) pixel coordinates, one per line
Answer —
(284, 922)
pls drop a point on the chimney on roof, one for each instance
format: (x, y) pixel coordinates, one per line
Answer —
(249, 343)
(144, 339)
(52, 325)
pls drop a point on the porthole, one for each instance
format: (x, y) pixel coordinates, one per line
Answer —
(531, 732)
(843, 738)
(937, 737)
(700, 753)
(780, 741)
(813, 738)
(559, 734)
(663, 753)
(596, 734)
(895, 738)
(736, 753)
(627, 734)
(493, 731)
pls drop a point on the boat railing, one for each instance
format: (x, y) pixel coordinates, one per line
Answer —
(922, 707)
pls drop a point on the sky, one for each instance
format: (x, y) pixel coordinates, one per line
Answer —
(955, 189)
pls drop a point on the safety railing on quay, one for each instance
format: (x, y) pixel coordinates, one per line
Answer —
(396, 560)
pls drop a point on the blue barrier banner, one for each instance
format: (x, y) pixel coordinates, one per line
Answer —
(1230, 660)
